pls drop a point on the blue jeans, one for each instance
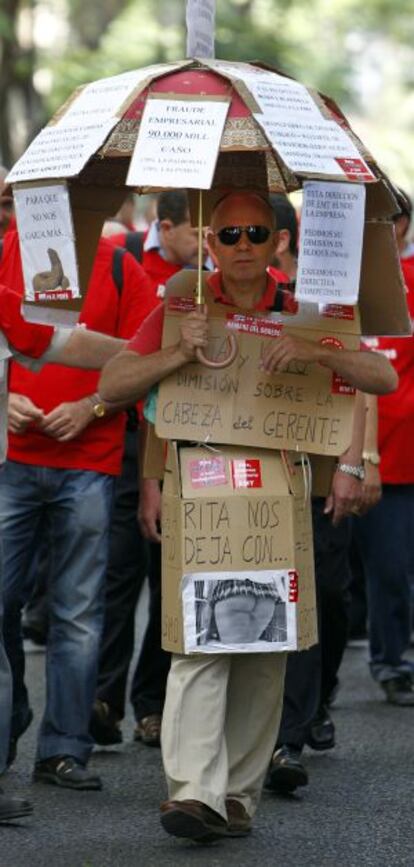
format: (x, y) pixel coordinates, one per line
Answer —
(73, 509)
(384, 536)
(5, 694)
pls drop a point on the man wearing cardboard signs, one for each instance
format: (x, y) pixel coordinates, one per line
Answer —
(34, 345)
(222, 710)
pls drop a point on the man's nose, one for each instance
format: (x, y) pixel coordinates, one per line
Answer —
(244, 243)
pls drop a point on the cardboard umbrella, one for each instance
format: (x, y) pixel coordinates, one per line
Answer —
(208, 126)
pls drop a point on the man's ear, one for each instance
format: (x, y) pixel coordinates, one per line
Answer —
(211, 245)
(283, 241)
(166, 225)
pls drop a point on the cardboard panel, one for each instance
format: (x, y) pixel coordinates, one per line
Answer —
(152, 453)
(382, 297)
(236, 531)
(307, 407)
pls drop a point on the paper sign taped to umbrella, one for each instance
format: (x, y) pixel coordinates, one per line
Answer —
(63, 148)
(307, 141)
(178, 143)
(104, 98)
(47, 245)
(61, 151)
(330, 249)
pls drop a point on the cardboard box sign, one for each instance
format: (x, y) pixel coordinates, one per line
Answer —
(308, 407)
(237, 552)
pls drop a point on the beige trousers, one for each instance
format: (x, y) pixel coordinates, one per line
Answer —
(220, 723)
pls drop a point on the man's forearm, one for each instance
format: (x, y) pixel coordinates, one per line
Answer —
(88, 349)
(128, 377)
(367, 371)
(353, 454)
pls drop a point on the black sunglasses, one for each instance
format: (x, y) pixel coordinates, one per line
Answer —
(230, 235)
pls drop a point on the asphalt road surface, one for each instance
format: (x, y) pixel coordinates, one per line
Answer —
(357, 810)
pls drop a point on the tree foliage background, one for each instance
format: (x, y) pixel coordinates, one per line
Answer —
(360, 53)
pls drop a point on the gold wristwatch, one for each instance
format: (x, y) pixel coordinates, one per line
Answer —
(98, 405)
(371, 458)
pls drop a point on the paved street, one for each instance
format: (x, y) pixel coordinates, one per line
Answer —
(357, 810)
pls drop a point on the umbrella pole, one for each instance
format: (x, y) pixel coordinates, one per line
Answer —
(233, 348)
(199, 292)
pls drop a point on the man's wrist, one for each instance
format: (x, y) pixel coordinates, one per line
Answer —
(357, 471)
(98, 404)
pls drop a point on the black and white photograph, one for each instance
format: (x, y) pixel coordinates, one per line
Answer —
(237, 612)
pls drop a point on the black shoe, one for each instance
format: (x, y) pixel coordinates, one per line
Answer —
(13, 808)
(66, 771)
(13, 740)
(322, 731)
(286, 772)
(105, 724)
(399, 690)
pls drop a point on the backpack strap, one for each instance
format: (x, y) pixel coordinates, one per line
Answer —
(134, 243)
(117, 274)
(279, 298)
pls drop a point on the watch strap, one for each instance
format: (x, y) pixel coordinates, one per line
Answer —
(357, 471)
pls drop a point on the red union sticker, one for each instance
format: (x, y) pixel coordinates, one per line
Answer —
(355, 169)
(341, 386)
(55, 295)
(337, 311)
(246, 473)
(207, 472)
(181, 303)
(293, 586)
(254, 325)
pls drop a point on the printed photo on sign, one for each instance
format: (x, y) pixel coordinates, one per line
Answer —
(330, 249)
(178, 143)
(47, 245)
(239, 612)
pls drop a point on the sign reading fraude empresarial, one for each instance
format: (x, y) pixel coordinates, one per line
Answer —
(307, 407)
(178, 143)
(47, 242)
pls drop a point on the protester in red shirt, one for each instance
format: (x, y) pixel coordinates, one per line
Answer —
(215, 765)
(65, 449)
(33, 345)
(171, 242)
(385, 534)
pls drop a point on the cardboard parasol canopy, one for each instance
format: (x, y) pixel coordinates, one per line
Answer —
(204, 125)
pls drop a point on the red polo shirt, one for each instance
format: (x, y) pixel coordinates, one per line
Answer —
(396, 411)
(99, 446)
(148, 338)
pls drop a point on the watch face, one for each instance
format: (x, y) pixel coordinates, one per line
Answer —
(99, 410)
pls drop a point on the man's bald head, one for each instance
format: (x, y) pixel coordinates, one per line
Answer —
(246, 200)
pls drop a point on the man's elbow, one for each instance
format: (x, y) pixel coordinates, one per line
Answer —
(391, 381)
